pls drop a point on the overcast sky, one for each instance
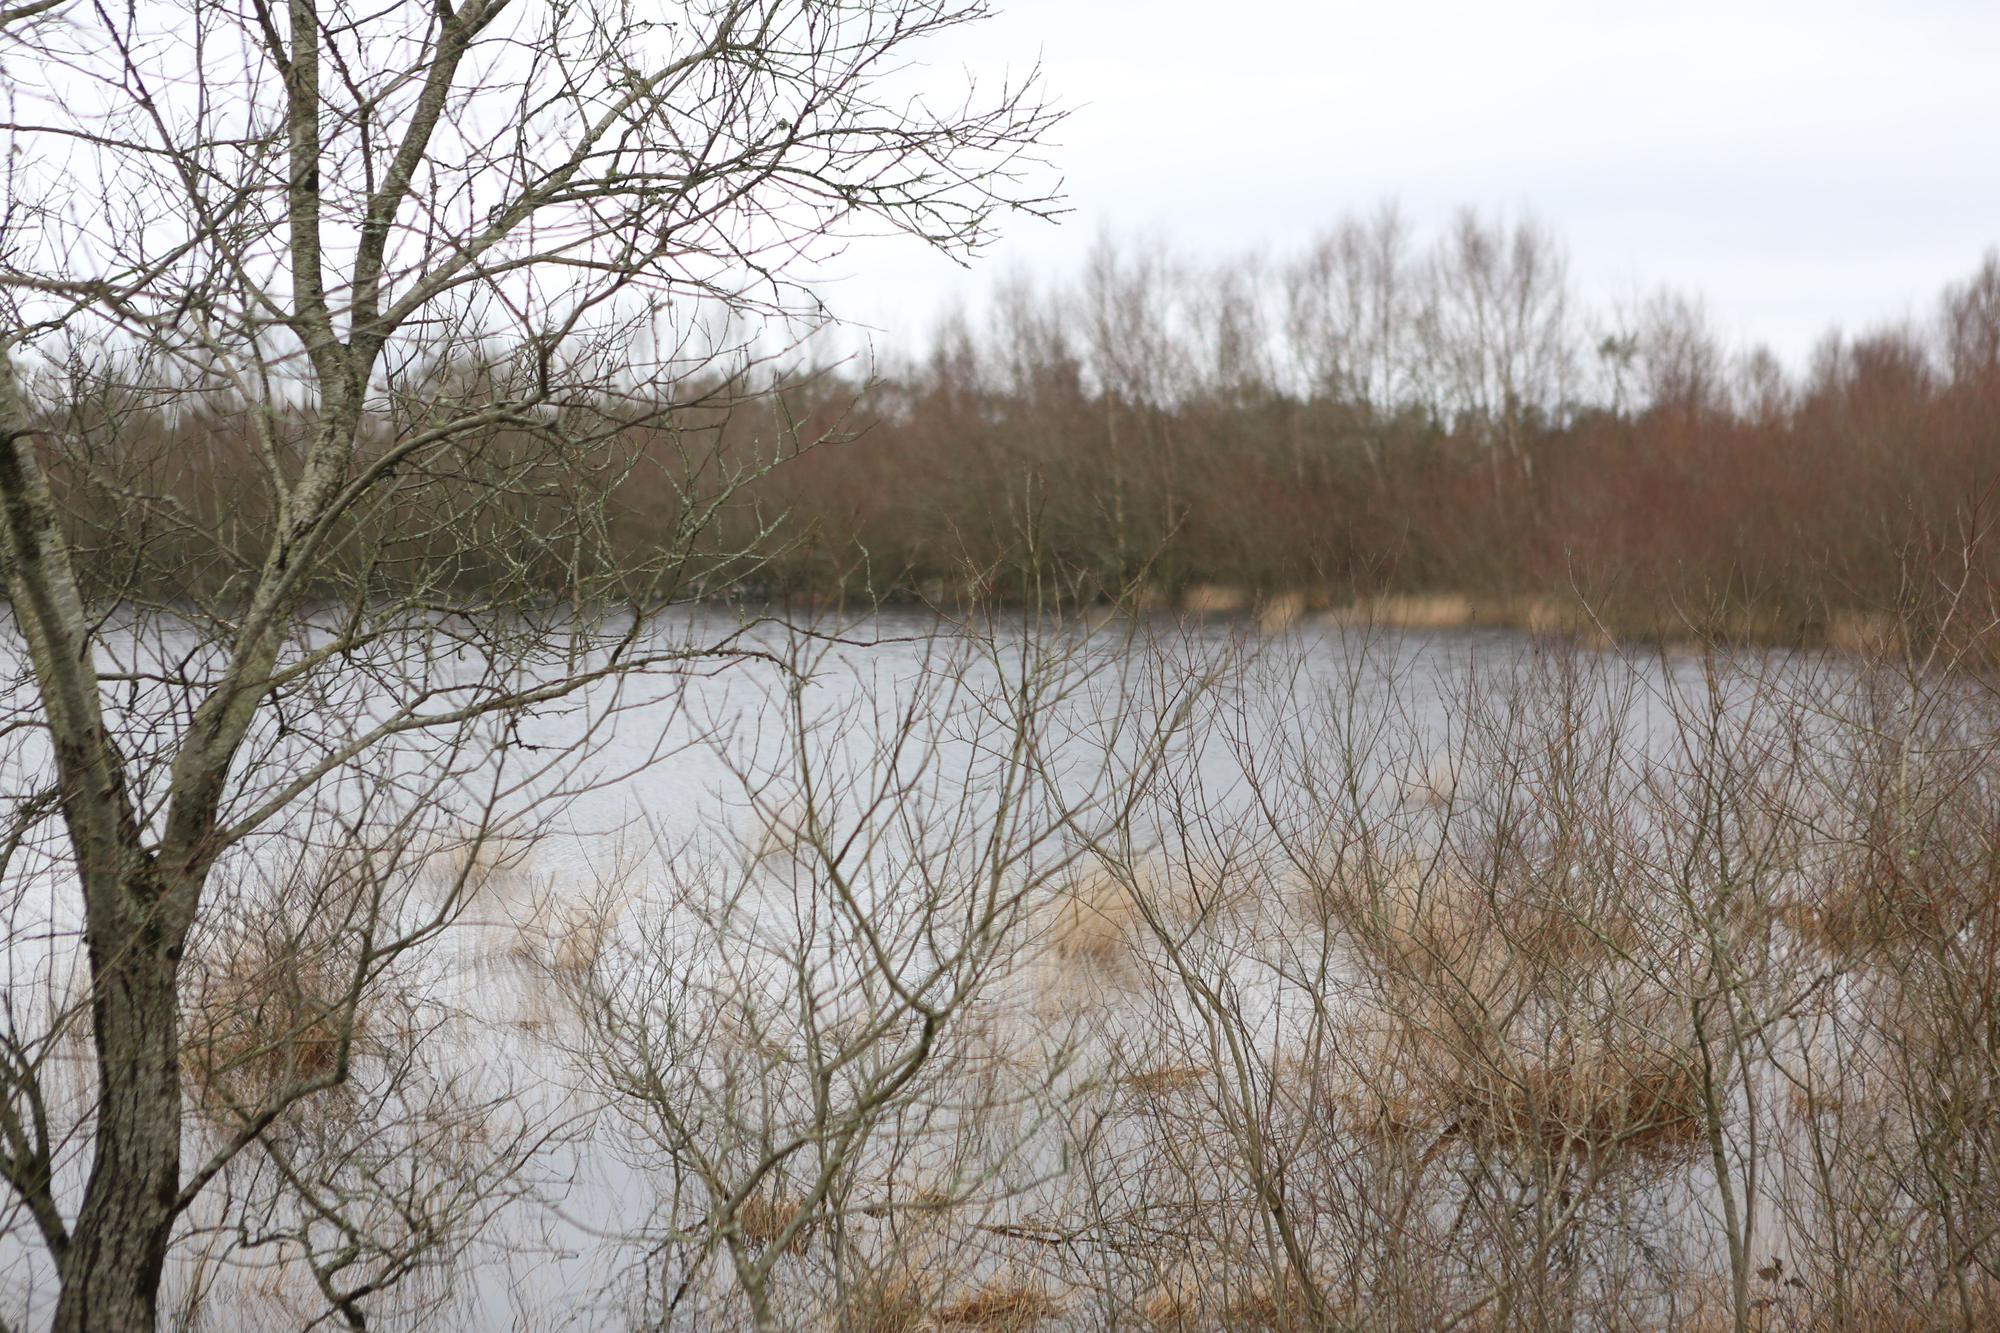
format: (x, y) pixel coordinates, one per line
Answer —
(1798, 165)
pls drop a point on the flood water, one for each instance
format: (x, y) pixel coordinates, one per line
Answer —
(600, 881)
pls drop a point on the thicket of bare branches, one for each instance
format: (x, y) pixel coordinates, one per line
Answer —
(1387, 417)
(1029, 972)
(417, 271)
(1432, 432)
(1613, 993)
(402, 885)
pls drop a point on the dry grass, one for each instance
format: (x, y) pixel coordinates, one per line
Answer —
(1484, 1029)
(1749, 625)
(763, 1220)
(1845, 923)
(1416, 611)
(566, 936)
(1215, 599)
(1175, 1302)
(1502, 1073)
(1781, 1301)
(1553, 618)
(1097, 925)
(268, 1016)
(1378, 1091)
(1280, 612)
(1427, 920)
(1886, 907)
(1865, 632)
(1097, 922)
(1003, 1305)
(1269, 1304)
(1592, 1103)
(1436, 785)
(894, 1300)
(1167, 1080)
(496, 865)
(1427, 611)
(1583, 1100)
(1397, 1121)
(1184, 1302)
(1434, 920)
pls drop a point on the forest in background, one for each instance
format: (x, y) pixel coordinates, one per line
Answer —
(1445, 430)
(1429, 434)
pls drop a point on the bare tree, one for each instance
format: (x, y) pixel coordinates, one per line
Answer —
(1496, 329)
(858, 1064)
(1663, 342)
(433, 262)
(1971, 324)
(1351, 319)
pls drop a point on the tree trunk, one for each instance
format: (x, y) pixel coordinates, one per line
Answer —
(136, 919)
(110, 1272)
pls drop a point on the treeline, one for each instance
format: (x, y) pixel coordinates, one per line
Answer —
(1373, 422)
(1373, 418)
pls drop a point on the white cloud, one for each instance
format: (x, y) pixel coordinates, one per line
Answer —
(1800, 165)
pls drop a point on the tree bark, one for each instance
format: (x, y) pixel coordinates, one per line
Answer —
(110, 1274)
(136, 920)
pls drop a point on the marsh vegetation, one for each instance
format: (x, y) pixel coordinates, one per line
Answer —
(1064, 973)
(1353, 795)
